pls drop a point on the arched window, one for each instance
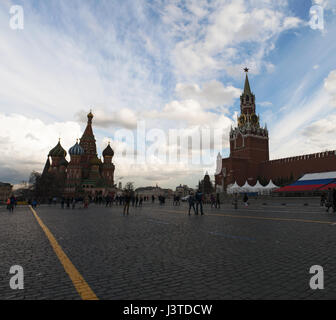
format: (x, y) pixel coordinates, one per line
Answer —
(247, 98)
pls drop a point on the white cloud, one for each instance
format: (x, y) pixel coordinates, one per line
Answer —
(330, 85)
(211, 95)
(266, 104)
(203, 49)
(307, 127)
(26, 142)
(123, 118)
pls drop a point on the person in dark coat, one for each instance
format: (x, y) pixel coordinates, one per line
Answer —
(246, 200)
(217, 201)
(329, 201)
(191, 201)
(127, 200)
(199, 201)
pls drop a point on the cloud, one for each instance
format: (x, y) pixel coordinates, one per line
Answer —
(213, 40)
(162, 61)
(298, 132)
(211, 95)
(266, 104)
(26, 142)
(330, 86)
(123, 118)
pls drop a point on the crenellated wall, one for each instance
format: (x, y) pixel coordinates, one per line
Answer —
(298, 166)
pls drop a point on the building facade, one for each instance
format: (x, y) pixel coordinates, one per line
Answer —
(85, 173)
(183, 190)
(249, 153)
(154, 191)
(6, 190)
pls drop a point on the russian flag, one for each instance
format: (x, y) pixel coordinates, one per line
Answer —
(312, 182)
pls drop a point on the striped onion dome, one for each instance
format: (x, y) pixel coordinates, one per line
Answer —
(76, 150)
(58, 151)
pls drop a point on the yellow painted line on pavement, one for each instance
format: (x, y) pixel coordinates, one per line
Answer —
(258, 218)
(78, 281)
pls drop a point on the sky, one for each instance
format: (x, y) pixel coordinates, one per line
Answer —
(164, 65)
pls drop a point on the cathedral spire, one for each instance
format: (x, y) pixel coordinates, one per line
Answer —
(88, 141)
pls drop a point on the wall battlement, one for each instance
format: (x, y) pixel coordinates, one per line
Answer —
(319, 155)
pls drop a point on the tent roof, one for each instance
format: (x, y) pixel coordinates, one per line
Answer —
(271, 185)
(258, 185)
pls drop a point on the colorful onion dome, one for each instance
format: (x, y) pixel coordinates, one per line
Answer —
(76, 150)
(58, 151)
(64, 162)
(108, 152)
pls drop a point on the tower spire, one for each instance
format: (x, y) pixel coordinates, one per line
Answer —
(247, 89)
(88, 141)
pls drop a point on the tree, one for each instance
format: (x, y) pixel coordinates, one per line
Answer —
(46, 186)
(129, 186)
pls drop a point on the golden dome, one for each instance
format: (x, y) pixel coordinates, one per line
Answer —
(90, 115)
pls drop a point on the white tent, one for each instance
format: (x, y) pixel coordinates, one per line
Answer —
(233, 188)
(270, 187)
(246, 188)
(258, 188)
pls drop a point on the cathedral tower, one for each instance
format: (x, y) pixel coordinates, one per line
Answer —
(108, 166)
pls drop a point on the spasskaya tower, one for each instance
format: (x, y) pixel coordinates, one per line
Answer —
(249, 140)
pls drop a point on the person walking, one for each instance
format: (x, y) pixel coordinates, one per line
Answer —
(235, 201)
(213, 201)
(217, 201)
(246, 200)
(153, 199)
(34, 204)
(329, 201)
(191, 201)
(73, 203)
(8, 202)
(127, 200)
(68, 203)
(12, 203)
(334, 200)
(199, 201)
(323, 199)
(86, 202)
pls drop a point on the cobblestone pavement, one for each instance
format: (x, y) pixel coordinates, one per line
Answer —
(162, 253)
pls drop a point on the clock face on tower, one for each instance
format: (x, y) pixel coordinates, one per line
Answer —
(254, 119)
(242, 120)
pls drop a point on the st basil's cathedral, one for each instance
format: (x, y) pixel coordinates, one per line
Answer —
(85, 173)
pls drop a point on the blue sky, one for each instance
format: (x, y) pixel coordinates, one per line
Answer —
(173, 64)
